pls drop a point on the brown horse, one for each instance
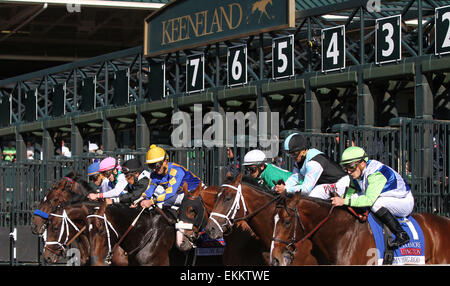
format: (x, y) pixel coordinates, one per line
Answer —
(64, 226)
(69, 189)
(69, 224)
(342, 239)
(241, 240)
(239, 201)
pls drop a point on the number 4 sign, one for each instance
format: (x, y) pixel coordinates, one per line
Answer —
(333, 48)
(442, 36)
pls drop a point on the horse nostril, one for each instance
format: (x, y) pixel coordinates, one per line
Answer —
(275, 262)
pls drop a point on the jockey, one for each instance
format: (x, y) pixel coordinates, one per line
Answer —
(137, 179)
(316, 170)
(114, 183)
(379, 187)
(94, 174)
(166, 180)
(265, 173)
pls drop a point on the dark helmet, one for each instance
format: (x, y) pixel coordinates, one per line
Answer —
(295, 142)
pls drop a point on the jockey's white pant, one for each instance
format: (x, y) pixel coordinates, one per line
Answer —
(323, 191)
(400, 207)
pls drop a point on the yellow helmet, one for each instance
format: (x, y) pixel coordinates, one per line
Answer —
(155, 154)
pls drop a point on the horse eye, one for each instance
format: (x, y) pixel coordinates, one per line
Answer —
(287, 222)
(227, 198)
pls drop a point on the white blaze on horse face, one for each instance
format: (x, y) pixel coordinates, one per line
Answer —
(276, 218)
(45, 198)
(180, 236)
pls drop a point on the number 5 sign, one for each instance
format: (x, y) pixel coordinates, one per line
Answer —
(237, 65)
(442, 36)
(333, 48)
(388, 39)
(283, 57)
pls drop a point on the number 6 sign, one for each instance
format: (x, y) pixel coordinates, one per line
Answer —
(237, 65)
(333, 48)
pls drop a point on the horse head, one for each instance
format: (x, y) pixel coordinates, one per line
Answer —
(102, 235)
(227, 205)
(64, 225)
(192, 218)
(285, 232)
(67, 190)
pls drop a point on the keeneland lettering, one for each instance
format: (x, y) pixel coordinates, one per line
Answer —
(202, 23)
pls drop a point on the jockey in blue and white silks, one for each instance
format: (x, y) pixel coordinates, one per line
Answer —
(314, 168)
(166, 180)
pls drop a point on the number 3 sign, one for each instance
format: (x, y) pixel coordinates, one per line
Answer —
(388, 39)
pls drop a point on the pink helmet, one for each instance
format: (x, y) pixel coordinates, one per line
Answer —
(107, 164)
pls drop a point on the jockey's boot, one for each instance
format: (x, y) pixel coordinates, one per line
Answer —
(401, 237)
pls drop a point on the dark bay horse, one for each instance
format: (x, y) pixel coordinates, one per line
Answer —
(239, 201)
(65, 191)
(340, 238)
(151, 239)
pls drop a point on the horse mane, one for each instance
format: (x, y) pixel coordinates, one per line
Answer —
(251, 182)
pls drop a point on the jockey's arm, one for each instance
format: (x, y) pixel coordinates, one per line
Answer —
(118, 189)
(175, 180)
(150, 190)
(312, 175)
(376, 183)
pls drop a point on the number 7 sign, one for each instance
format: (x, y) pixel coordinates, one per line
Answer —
(195, 73)
(333, 48)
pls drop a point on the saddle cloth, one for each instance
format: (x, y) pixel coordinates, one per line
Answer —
(209, 247)
(412, 252)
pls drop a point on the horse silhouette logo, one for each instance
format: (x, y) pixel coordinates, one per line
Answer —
(260, 7)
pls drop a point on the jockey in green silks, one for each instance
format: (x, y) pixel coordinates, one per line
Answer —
(379, 187)
(265, 173)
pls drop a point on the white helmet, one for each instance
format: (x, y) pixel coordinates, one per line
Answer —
(254, 157)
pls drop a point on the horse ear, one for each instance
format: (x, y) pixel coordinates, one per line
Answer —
(185, 188)
(238, 179)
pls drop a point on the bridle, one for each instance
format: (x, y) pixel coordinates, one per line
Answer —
(66, 222)
(230, 216)
(45, 215)
(108, 226)
(292, 245)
